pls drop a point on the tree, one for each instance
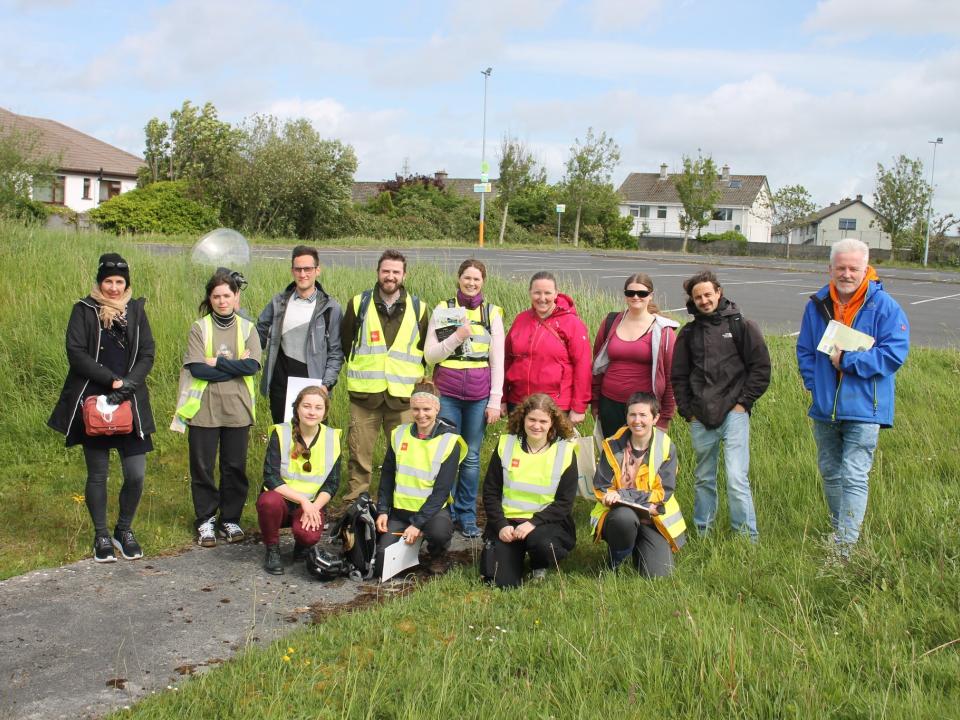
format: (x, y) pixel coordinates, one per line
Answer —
(791, 204)
(901, 198)
(590, 165)
(518, 169)
(699, 192)
(23, 164)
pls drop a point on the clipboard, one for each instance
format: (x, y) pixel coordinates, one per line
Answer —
(643, 510)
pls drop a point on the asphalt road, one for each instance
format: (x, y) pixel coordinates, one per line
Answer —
(771, 291)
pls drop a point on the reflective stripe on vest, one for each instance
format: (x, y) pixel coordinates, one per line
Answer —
(479, 354)
(191, 404)
(418, 464)
(373, 367)
(671, 523)
(323, 456)
(530, 481)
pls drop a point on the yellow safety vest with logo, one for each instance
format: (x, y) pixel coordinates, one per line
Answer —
(478, 355)
(530, 481)
(373, 367)
(323, 456)
(418, 464)
(191, 404)
(670, 524)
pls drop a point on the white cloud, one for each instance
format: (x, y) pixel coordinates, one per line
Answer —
(621, 14)
(863, 17)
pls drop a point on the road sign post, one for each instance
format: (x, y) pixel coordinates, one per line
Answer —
(560, 210)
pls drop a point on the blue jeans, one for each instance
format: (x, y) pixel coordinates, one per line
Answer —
(734, 433)
(468, 416)
(845, 456)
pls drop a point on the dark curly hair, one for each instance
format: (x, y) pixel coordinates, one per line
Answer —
(559, 424)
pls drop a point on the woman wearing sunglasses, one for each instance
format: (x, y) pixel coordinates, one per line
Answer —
(301, 472)
(633, 352)
(110, 350)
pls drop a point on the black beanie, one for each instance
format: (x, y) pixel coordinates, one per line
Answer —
(112, 264)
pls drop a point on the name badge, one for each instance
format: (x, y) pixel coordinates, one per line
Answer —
(515, 463)
(374, 336)
(403, 446)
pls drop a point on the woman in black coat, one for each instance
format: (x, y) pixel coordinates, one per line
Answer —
(110, 350)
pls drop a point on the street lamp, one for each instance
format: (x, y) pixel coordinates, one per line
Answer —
(933, 165)
(484, 170)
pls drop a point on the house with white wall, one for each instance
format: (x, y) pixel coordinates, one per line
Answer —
(652, 200)
(847, 218)
(89, 171)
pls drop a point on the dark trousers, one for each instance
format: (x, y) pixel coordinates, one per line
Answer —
(547, 545)
(278, 401)
(274, 512)
(612, 415)
(95, 493)
(230, 498)
(438, 532)
(626, 535)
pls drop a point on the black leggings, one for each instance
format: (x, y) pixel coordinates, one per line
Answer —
(546, 544)
(134, 469)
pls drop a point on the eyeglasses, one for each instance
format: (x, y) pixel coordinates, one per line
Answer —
(112, 264)
(306, 269)
(638, 293)
(307, 467)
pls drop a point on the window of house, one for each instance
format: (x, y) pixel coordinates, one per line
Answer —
(848, 223)
(86, 189)
(50, 190)
(736, 184)
(109, 189)
(723, 214)
(644, 211)
(661, 212)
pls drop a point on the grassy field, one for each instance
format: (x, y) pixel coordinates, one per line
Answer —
(767, 631)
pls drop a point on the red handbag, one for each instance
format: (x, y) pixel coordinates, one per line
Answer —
(119, 422)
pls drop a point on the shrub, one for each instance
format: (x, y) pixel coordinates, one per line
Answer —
(25, 210)
(162, 207)
(728, 236)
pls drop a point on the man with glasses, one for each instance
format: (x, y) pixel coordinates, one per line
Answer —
(300, 330)
(721, 367)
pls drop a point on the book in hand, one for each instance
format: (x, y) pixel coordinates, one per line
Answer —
(838, 336)
(446, 320)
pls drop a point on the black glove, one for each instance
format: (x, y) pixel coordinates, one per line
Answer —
(124, 392)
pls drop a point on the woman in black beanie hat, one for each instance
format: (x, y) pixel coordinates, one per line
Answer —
(110, 351)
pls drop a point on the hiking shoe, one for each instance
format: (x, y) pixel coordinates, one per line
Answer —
(126, 543)
(272, 563)
(538, 575)
(103, 549)
(231, 532)
(300, 551)
(206, 537)
(470, 530)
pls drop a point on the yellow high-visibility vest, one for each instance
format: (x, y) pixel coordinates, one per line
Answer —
(191, 403)
(323, 456)
(530, 481)
(373, 367)
(478, 355)
(418, 464)
(671, 523)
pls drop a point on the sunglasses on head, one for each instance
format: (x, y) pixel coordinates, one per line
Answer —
(638, 293)
(112, 264)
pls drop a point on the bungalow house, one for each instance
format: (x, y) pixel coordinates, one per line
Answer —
(365, 190)
(652, 200)
(89, 171)
(847, 218)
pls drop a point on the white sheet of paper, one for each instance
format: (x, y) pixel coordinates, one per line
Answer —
(837, 335)
(400, 556)
(294, 386)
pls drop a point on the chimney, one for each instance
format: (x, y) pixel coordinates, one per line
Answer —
(663, 171)
(859, 197)
(441, 175)
(725, 172)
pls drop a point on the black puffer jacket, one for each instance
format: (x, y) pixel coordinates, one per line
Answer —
(710, 374)
(83, 348)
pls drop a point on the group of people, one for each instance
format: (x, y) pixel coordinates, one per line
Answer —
(542, 374)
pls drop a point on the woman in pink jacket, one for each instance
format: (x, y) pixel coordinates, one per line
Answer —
(547, 351)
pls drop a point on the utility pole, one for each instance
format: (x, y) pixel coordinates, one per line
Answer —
(484, 168)
(933, 165)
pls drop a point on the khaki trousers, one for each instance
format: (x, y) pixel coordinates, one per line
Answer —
(362, 434)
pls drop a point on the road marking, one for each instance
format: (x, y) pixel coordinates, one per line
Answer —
(677, 309)
(945, 297)
(752, 282)
(793, 334)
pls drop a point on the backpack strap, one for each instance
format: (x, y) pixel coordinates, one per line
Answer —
(739, 335)
(608, 324)
(365, 298)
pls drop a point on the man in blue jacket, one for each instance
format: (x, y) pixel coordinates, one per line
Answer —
(851, 391)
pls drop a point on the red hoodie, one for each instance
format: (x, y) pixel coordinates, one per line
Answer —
(551, 356)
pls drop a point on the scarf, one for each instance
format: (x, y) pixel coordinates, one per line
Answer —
(224, 321)
(846, 312)
(470, 303)
(111, 311)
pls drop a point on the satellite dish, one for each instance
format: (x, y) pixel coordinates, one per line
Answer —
(222, 246)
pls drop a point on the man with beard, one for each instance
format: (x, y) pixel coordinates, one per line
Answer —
(721, 367)
(382, 334)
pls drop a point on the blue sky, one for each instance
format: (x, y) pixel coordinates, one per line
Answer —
(804, 92)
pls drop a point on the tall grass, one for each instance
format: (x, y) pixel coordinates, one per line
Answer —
(766, 631)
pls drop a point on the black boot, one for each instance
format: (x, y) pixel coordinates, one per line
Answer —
(272, 563)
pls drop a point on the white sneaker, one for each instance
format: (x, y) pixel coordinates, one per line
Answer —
(206, 537)
(538, 574)
(231, 532)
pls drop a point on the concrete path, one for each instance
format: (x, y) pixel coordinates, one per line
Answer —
(84, 639)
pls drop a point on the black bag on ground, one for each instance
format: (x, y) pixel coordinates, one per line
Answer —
(355, 548)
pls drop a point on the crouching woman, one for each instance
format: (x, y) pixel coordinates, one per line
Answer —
(528, 494)
(418, 473)
(636, 511)
(301, 472)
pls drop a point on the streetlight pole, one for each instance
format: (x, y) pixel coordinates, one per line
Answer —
(933, 165)
(483, 152)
